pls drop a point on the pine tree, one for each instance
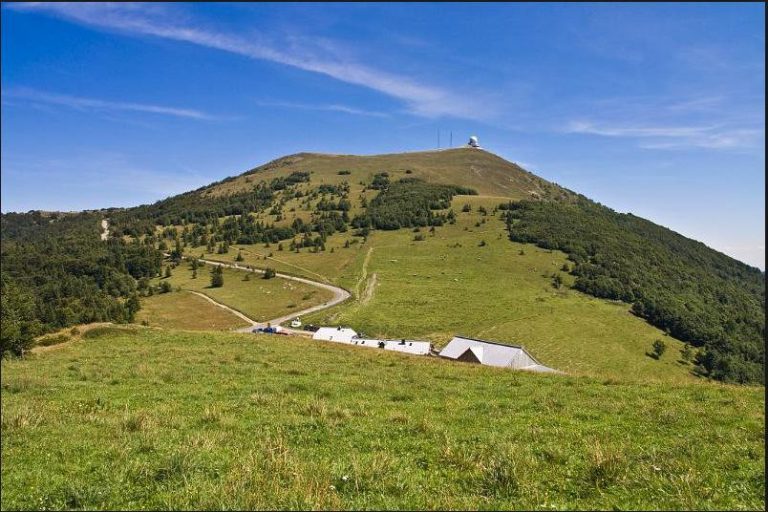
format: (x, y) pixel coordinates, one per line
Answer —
(217, 277)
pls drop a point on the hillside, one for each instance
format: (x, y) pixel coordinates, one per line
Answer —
(322, 216)
(152, 419)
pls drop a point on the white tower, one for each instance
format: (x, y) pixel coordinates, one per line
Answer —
(473, 142)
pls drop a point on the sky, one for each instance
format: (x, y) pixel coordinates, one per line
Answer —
(654, 109)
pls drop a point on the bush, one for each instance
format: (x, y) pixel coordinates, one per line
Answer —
(269, 273)
(659, 347)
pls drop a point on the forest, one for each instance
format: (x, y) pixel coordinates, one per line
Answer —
(56, 272)
(694, 293)
(408, 203)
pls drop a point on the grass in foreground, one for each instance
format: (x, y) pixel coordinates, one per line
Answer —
(153, 419)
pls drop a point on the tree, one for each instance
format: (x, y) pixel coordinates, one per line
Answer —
(269, 273)
(18, 325)
(239, 256)
(686, 353)
(165, 287)
(217, 277)
(659, 347)
(167, 271)
(194, 273)
(557, 281)
(132, 305)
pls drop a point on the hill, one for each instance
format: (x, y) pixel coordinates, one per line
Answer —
(152, 419)
(312, 214)
(485, 172)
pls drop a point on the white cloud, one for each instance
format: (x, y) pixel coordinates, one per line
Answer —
(674, 137)
(318, 56)
(328, 108)
(77, 102)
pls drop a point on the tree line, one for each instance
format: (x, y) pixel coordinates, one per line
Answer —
(692, 292)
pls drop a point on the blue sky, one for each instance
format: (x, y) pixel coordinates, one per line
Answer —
(657, 109)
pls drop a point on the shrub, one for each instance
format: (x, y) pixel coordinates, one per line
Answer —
(659, 347)
(269, 273)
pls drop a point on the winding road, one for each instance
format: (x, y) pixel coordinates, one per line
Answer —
(339, 295)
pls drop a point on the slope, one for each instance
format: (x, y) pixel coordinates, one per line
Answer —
(150, 419)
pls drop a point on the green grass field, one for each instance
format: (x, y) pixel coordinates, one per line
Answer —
(257, 298)
(185, 310)
(152, 419)
(449, 284)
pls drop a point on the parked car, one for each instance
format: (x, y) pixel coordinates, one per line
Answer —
(311, 327)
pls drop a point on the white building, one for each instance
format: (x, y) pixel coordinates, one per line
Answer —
(337, 334)
(492, 354)
(421, 348)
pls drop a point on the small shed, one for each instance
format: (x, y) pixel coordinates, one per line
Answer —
(337, 334)
(491, 353)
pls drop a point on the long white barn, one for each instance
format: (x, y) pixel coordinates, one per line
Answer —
(490, 353)
(349, 337)
(338, 334)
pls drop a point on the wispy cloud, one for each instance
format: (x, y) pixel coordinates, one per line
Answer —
(674, 137)
(326, 108)
(76, 102)
(318, 56)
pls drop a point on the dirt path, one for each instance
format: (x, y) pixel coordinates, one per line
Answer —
(339, 295)
(363, 273)
(370, 286)
(105, 227)
(224, 306)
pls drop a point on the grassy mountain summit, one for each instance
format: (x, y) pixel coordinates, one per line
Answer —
(485, 172)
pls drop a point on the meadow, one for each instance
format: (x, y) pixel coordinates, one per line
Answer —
(449, 283)
(259, 299)
(187, 311)
(142, 418)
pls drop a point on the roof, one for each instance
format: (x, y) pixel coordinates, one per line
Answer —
(343, 334)
(407, 346)
(492, 354)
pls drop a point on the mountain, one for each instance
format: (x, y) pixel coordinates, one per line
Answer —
(308, 202)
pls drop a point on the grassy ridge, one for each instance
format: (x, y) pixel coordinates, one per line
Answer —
(157, 419)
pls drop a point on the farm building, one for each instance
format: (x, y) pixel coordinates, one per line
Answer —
(338, 334)
(490, 353)
(421, 348)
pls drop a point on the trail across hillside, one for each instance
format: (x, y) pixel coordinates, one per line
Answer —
(105, 227)
(339, 295)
